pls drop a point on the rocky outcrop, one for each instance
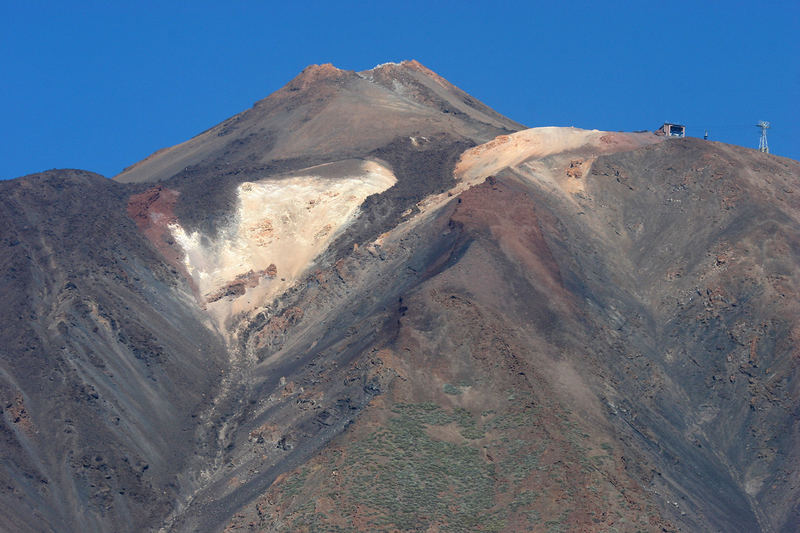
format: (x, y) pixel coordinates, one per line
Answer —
(369, 303)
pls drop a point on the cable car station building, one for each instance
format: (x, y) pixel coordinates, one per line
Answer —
(672, 130)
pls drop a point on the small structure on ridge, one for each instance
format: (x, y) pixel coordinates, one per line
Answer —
(671, 130)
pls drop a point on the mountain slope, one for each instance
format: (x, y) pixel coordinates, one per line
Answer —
(370, 303)
(333, 113)
(323, 115)
(628, 312)
(105, 360)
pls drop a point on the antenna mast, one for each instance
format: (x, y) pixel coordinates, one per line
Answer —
(762, 143)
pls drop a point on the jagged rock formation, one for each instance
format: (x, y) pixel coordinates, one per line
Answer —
(372, 303)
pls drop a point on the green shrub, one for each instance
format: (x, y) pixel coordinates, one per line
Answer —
(451, 389)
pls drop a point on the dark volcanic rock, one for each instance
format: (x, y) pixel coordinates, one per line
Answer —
(324, 114)
(554, 329)
(105, 359)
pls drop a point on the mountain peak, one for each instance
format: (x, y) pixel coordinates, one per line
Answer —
(393, 70)
(324, 67)
(406, 64)
(314, 74)
(371, 278)
(325, 110)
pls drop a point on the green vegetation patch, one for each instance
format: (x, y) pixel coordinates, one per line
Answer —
(451, 389)
(416, 480)
(401, 476)
(293, 485)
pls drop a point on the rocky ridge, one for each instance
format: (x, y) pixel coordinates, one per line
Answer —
(372, 303)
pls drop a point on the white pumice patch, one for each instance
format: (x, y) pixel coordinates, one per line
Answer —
(286, 222)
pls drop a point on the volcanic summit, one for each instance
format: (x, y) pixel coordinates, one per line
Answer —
(372, 303)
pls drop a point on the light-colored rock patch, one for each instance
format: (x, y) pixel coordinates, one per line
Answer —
(508, 151)
(286, 222)
(548, 155)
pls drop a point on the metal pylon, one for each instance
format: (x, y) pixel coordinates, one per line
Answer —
(762, 143)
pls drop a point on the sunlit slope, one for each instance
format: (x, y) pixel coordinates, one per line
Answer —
(372, 303)
(333, 113)
(600, 336)
(279, 227)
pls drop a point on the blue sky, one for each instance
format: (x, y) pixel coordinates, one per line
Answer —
(101, 85)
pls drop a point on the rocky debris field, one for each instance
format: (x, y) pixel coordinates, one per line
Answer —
(371, 303)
